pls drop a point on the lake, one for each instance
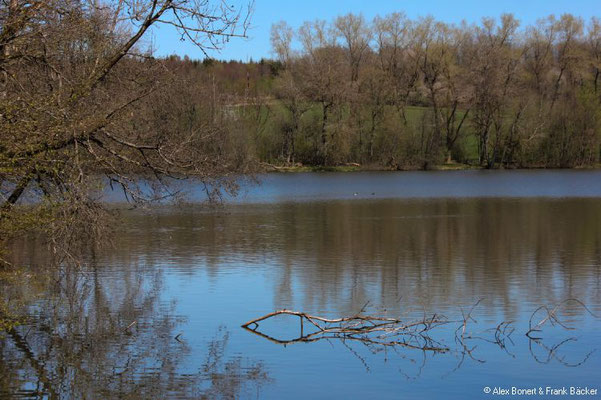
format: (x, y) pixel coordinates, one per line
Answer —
(159, 314)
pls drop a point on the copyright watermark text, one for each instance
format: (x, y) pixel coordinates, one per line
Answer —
(541, 391)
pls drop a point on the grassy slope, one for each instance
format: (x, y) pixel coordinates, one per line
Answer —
(275, 113)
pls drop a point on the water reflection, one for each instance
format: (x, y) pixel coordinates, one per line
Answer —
(432, 254)
(189, 277)
(107, 333)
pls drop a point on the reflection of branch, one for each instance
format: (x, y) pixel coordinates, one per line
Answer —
(353, 352)
(23, 346)
(419, 369)
(379, 333)
(466, 318)
(317, 336)
(552, 352)
(552, 316)
(375, 331)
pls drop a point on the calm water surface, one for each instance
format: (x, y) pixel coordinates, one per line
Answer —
(159, 315)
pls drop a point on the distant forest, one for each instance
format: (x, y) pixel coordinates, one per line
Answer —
(398, 93)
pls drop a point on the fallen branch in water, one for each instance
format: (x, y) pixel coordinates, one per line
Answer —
(381, 332)
(367, 329)
(552, 316)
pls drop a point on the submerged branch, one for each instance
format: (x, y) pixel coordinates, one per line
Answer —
(378, 332)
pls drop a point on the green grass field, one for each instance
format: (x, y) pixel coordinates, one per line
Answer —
(274, 116)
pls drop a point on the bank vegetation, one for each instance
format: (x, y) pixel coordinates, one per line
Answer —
(396, 93)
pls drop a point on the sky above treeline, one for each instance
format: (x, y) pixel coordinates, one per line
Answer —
(166, 41)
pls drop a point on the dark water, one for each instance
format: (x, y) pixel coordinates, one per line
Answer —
(421, 244)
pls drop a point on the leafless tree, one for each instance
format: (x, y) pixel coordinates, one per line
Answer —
(81, 98)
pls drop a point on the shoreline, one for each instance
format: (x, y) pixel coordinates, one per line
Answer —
(271, 168)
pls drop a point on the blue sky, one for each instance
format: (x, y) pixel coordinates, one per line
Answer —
(166, 41)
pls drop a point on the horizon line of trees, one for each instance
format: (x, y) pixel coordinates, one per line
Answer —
(494, 94)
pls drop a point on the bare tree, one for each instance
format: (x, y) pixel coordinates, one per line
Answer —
(323, 73)
(75, 80)
(495, 61)
(281, 39)
(356, 36)
(397, 45)
(594, 48)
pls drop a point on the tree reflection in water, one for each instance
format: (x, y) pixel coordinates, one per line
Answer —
(112, 338)
(326, 258)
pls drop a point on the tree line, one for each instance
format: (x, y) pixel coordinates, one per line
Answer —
(401, 93)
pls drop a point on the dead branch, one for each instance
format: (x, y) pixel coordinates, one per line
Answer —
(379, 333)
(370, 330)
(552, 316)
